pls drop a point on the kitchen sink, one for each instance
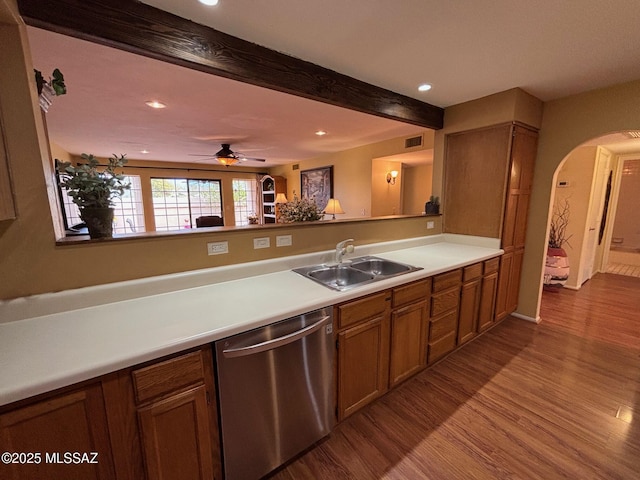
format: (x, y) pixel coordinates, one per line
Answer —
(360, 271)
(379, 266)
(340, 276)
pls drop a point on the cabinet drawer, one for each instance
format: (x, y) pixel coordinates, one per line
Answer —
(441, 347)
(358, 310)
(491, 265)
(441, 302)
(168, 376)
(446, 280)
(413, 292)
(443, 326)
(472, 272)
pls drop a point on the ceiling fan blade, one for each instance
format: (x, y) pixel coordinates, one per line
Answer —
(201, 155)
(251, 159)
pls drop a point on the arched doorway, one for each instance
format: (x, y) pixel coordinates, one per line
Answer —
(567, 123)
(587, 187)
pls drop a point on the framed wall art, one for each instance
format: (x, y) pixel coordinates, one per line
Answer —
(317, 184)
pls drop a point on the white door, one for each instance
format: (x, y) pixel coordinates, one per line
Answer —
(594, 215)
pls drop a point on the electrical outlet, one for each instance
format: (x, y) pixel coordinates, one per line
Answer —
(431, 225)
(217, 248)
(262, 242)
(283, 240)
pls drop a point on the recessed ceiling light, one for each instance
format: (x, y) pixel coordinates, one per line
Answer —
(425, 87)
(209, 2)
(144, 151)
(321, 133)
(155, 104)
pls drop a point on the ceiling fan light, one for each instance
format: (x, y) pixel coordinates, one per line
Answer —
(226, 161)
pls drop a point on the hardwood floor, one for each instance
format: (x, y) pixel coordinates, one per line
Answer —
(523, 401)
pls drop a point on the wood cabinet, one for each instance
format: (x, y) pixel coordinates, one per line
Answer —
(409, 330)
(469, 302)
(177, 424)
(363, 351)
(488, 294)
(74, 421)
(270, 188)
(7, 204)
(443, 322)
(155, 421)
(499, 162)
(522, 159)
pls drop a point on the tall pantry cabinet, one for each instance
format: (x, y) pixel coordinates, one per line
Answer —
(488, 179)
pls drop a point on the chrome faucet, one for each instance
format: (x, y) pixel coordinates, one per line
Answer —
(343, 247)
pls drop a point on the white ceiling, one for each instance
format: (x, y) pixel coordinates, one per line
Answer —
(466, 49)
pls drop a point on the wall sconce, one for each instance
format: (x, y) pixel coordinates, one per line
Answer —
(391, 177)
(333, 207)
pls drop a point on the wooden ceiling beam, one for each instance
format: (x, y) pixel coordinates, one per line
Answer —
(139, 28)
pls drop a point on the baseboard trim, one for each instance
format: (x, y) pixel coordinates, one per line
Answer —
(526, 317)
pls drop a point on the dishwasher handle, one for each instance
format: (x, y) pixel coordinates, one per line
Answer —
(276, 342)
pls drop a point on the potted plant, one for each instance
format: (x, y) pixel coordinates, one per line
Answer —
(556, 270)
(93, 191)
(49, 89)
(432, 207)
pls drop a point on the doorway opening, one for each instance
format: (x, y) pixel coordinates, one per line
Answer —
(600, 182)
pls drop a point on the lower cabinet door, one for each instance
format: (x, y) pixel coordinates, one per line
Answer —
(469, 308)
(176, 437)
(62, 437)
(363, 365)
(409, 331)
(487, 301)
(504, 280)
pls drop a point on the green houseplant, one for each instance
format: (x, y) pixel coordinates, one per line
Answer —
(54, 87)
(93, 191)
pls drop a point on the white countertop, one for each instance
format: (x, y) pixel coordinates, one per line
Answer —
(80, 339)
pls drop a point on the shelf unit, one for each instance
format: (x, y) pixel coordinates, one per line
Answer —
(270, 188)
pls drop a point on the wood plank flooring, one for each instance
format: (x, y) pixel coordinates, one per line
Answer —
(556, 400)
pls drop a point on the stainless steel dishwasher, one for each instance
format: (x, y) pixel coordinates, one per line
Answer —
(275, 386)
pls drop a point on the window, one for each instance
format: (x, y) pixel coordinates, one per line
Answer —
(244, 199)
(128, 214)
(177, 202)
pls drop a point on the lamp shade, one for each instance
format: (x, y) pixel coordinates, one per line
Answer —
(281, 198)
(333, 207)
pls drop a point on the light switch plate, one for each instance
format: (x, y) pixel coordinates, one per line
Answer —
(217, 248)
(283, 240)
(262, 242)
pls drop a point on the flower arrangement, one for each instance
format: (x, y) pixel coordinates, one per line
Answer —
(253, 218)
(299, 210)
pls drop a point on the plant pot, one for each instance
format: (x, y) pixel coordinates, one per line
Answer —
(556, 269)
(46, 97)
(431, 208)
(99, 221)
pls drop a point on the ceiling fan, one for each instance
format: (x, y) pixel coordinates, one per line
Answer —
(227, 157)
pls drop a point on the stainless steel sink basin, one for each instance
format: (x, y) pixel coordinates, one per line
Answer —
(379, 266)
(359, 271)
(339, 276)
